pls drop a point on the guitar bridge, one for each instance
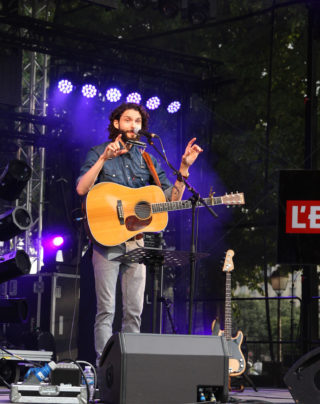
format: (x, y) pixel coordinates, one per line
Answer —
(120, 212)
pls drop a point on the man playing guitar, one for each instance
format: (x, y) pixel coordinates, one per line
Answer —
(120, 162)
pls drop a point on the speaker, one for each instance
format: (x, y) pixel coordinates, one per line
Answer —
(162, 368)
(303, 378)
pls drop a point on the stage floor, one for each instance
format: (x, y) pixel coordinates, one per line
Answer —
(263, 395)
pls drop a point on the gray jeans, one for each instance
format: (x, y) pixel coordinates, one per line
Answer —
(133, 279)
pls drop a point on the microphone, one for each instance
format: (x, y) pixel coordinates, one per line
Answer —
(142, 132)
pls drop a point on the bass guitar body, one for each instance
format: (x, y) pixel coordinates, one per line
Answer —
(237, 363)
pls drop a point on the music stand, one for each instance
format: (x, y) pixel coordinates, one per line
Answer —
(157, 258)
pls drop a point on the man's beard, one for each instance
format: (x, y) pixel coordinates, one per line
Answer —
(124, 136)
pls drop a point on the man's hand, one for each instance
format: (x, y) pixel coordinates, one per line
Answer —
(191, 153)
(113, 149)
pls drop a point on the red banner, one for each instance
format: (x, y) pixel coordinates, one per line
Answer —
(303, 217)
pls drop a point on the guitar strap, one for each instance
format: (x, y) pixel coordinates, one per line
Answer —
(151, 167)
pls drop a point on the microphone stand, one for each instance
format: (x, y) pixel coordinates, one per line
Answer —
(195, 199)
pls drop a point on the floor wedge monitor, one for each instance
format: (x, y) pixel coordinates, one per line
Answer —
(162, 368)
(303, 378)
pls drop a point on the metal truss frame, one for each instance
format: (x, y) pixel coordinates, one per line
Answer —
(34, 95)
(106, 51)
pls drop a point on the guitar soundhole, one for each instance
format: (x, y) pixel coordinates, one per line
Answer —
(142, 210)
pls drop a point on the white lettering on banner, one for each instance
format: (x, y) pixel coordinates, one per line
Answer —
(314, 217)
(295, 223)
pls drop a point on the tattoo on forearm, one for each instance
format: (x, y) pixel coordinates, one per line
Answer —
(177, 190)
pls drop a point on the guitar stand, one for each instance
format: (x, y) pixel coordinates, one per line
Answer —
(157, 260)
(249, 380)
(241, 388)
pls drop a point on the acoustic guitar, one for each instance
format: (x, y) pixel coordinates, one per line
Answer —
(237, 363)
(115, 213)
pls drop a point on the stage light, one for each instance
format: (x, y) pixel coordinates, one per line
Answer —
(89, 90)
(134, 97)
(14, 264)
(13, 310)
(58, 246)
(13, 179)
(113, 94)
(173, 107)
(153, 103)
(14, 222)
(57, 241)
(65, 86)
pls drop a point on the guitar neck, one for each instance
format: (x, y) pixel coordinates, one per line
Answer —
(181, 205)
(227, 314)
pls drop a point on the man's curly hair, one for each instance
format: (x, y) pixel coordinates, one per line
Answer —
(116, 114)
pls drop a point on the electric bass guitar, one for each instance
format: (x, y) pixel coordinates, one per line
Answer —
(237, 363)
(115, 213)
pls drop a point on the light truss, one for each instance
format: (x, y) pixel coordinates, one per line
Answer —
(104, 50)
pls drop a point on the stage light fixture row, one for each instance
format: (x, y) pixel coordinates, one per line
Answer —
(113, 94)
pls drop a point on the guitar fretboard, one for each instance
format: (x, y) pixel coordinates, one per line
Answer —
(228, 318)
(181, 205)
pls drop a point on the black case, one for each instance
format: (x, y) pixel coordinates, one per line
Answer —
(53, 304)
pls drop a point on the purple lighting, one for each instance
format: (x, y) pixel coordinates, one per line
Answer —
(65, 86)
(113, 94)
(57, 241)
(134, 97)
(153, 103)
(89, 91)
(174, 107)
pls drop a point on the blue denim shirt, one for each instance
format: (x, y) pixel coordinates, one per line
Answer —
(128, 169)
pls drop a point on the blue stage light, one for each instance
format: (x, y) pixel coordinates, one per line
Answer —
(153, 103)
(113, 94)
(173, 107)
(134, 97)
(89, 90)
(65, 86)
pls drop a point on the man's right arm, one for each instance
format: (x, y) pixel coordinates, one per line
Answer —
(88, 179)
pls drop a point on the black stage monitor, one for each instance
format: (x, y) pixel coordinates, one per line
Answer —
(299, 217)
(163, 369)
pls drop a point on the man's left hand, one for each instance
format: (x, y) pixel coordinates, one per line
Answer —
(191, 153)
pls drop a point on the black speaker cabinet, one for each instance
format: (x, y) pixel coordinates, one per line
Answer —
(303, 378)
(162, 368)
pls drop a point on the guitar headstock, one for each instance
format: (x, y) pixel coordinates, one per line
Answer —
(233, 199)
(228, 262)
